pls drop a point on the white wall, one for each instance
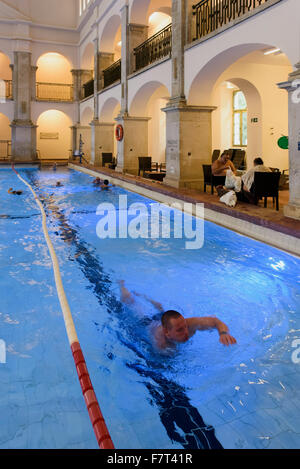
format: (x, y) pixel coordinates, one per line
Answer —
(50, 12)
(273, 120)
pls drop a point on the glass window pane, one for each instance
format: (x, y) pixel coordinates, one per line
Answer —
(236, 128)
(244, 129)
(239, 101)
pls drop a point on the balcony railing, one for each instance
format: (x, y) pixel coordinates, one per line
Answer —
(88, 89)
(8, 89)
(155, 48)
(112, 74)
(213, 14)
(5, 149)
(54, 92)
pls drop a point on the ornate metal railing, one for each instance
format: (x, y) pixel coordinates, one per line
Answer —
(112, 74)
(213, 14)
(88, 89)
(155, 48)
(54, 92)
(5, 149)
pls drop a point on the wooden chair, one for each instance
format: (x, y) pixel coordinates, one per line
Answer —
(107, 158)
(239, 159)
(266, 185)
(211, 180)
(145, 164)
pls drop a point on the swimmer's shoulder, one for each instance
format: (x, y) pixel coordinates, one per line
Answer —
(159, 337)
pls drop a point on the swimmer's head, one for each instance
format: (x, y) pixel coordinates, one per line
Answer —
(175, 326)
(106, 182)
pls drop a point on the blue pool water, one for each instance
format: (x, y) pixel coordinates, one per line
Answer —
(203, 396)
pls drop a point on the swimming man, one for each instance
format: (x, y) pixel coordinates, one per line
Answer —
(175, 328)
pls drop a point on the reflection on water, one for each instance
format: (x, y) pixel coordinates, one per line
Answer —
(175, 409)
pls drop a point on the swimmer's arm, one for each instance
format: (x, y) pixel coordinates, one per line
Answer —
(205, 323)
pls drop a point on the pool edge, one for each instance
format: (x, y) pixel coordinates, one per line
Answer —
(277, 239)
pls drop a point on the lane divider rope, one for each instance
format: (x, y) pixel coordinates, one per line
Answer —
(95, 414)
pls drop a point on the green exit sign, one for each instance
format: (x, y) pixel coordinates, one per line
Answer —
(254, 119)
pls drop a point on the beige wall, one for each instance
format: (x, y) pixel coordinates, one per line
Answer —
(53, 68)
(5, 130)
(54, 122)
(5, 71)
(157, 128)
(273, 121)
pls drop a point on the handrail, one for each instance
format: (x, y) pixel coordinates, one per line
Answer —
(112, 73)
(100, 429)
(6, 146)
(8, 89)
(154, 48)
(213, 14)
(54, 91)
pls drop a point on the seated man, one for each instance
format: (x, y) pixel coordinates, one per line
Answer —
(248, 178)
(176, 329)
(222, 164)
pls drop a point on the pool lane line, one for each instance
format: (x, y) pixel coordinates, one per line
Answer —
(95, 414)
(182, 421)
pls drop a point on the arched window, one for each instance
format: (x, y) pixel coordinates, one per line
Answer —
(240, 116)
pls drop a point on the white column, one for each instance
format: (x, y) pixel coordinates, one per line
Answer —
(292, 210)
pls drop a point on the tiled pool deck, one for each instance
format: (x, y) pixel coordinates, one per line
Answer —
(264, 224)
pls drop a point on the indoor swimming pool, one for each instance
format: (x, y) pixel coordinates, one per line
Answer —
(203, 395)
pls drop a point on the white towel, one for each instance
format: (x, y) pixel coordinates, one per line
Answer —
(229, 199)
(232, 181)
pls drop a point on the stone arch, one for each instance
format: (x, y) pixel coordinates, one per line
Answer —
(109, 110)
(87, 57)
(254, 106)
(149, 101)
(140, 100)
(86, 115)
(200, 89)
(54, 67)
(109, 33)
(54, 134)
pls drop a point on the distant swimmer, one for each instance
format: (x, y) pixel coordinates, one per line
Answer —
(59, 184)
(11, 191)
(97, 182)
(105, 185)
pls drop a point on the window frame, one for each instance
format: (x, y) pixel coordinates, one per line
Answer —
(241, 112)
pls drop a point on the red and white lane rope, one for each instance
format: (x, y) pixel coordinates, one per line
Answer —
(96, 417)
